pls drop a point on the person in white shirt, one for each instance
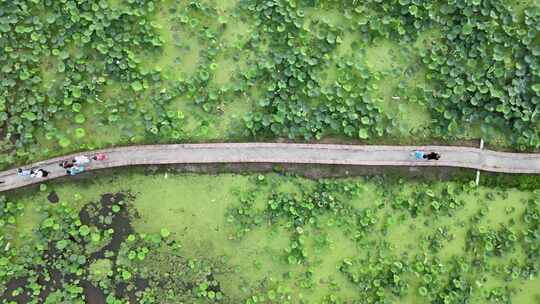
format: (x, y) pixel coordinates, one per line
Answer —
(39, 173)
(81, 160)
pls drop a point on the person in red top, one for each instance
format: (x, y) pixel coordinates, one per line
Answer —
(100, 156)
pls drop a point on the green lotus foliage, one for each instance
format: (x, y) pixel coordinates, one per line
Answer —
(430, 274)
(272, 238)
(299, 72)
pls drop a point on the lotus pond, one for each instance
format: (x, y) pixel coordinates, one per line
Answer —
(87, 74)
(183, 238)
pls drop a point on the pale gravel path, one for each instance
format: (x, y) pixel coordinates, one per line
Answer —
(287, 153)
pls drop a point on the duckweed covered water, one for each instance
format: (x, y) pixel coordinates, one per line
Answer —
(196, 209)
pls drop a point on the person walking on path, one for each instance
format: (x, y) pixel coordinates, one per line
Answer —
(100, 156)
(433, 156)
(39, 173)
(24, 172)
(421, 155)
(66, 165)
(81, 160)
(75, 170)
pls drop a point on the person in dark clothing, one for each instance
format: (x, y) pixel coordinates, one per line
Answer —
(66, 165)
(432, 156)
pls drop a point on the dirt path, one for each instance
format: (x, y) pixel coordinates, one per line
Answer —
(287, 153)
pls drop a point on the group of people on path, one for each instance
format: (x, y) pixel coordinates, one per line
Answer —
(419, 155)
(77, 165)
(33, 172)
(73, 167)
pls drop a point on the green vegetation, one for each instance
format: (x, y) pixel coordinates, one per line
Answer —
(168, 238)
(86, 74)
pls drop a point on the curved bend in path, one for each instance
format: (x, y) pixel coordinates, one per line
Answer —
(287, 153)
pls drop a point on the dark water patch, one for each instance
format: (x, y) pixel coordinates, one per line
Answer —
(53, 197)
(53, 283)
(213, 283)
(51, 253)
(12, 285)
(91, 213)
(122, 229)
(99, 214)
(141, 284)
(121, 290)
(51, 278)
(92, 294)
(130, 291)
(120, 223)
(84, 216)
